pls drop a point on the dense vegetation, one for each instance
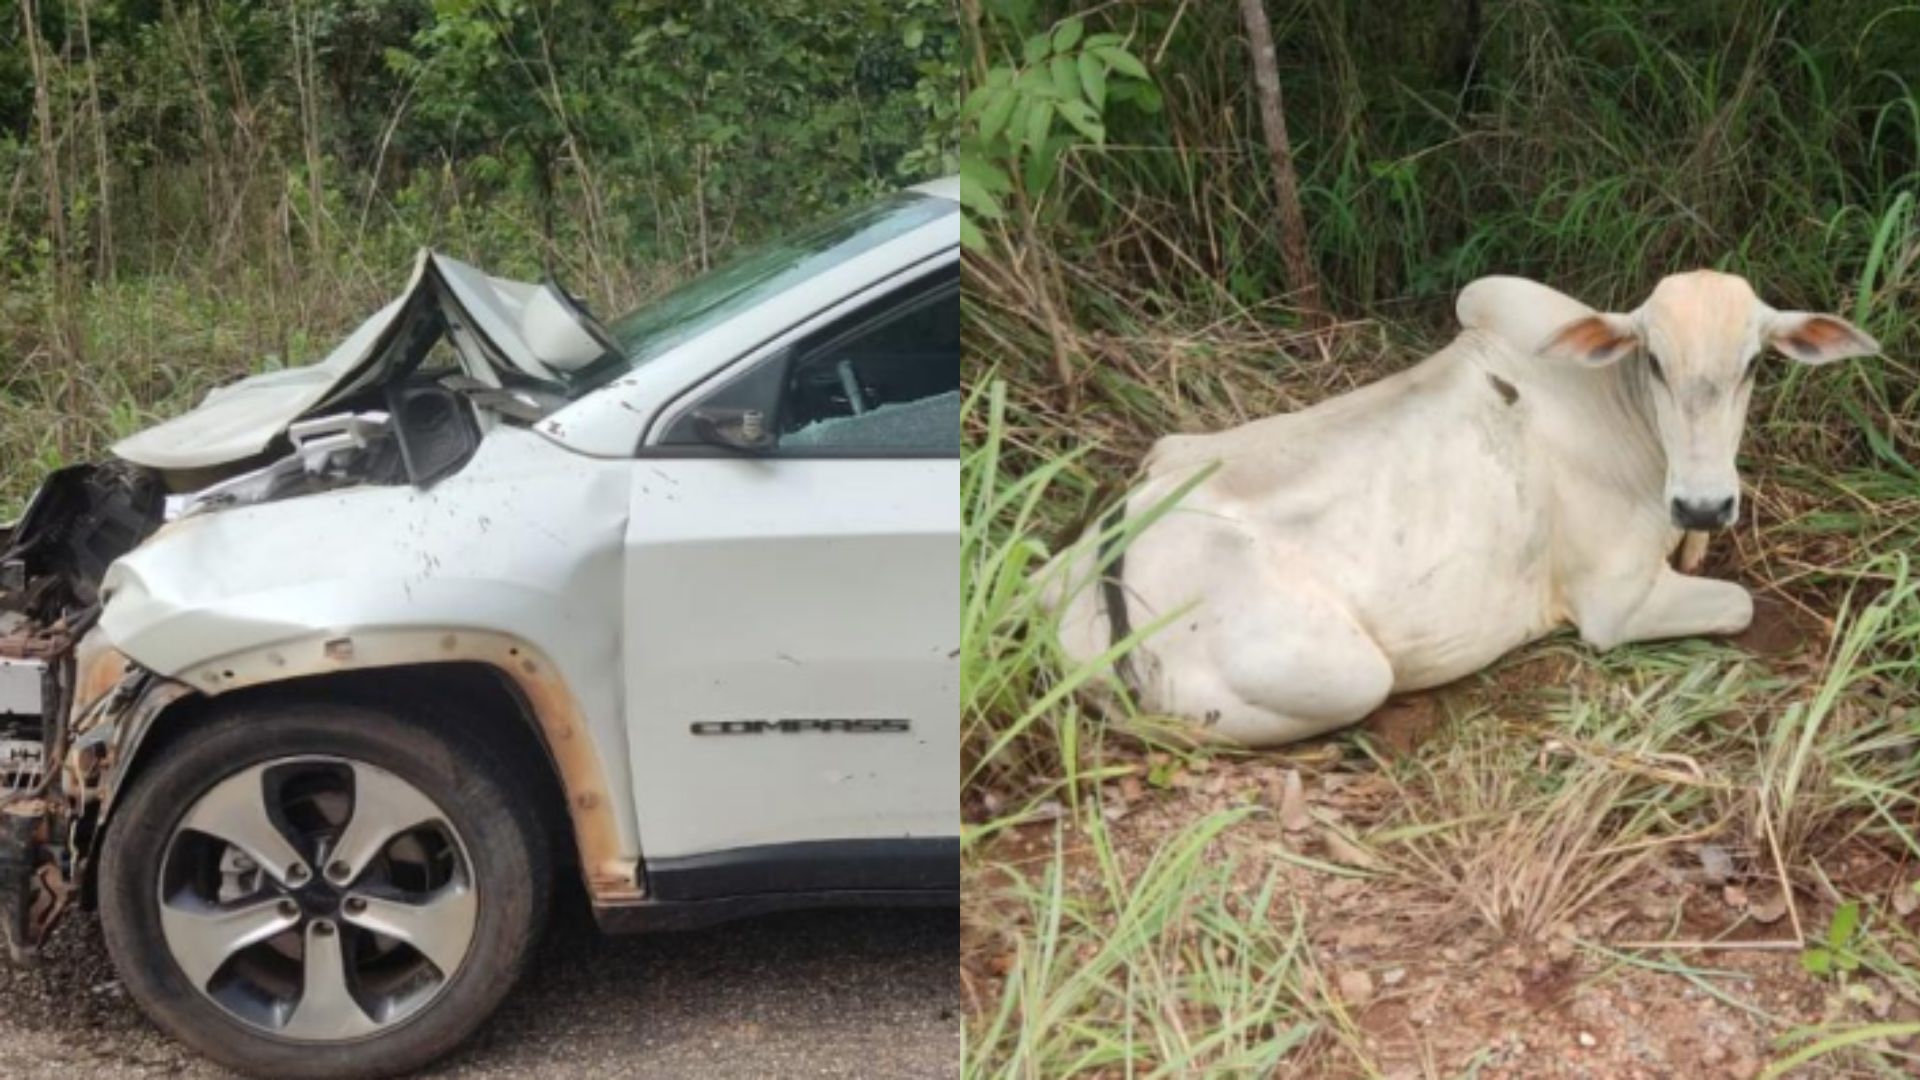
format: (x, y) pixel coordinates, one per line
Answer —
(192, 188)
(1129, 277)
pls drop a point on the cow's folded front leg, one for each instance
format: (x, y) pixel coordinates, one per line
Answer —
(1674, 606)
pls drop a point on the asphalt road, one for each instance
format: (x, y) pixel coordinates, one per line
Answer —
(807, 994)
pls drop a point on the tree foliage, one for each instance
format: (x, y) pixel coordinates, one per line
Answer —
(603, 135)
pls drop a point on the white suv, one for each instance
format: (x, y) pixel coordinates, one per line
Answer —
(314, 688)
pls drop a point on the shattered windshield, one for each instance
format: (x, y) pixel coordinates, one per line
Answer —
(712, 298)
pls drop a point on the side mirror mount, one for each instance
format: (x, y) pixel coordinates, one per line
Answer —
(743, 430)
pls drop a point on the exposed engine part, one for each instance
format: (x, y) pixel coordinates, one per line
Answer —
(20, 688)
(22, 760)
(327, 451)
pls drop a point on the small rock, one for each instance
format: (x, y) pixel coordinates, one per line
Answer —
(1393, 976)
(1047, 810)
(1587, 1040)
(1907, 900)
(1356, 986)
(1769, 906)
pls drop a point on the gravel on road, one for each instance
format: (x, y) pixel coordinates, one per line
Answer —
(805, 994)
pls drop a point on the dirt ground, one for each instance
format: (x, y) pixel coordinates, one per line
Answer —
(1687, 968)
(1432, 992)
(814, 994)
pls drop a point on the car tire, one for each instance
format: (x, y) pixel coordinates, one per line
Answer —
(152, 843)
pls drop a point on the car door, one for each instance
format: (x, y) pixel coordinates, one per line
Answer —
(792, 593)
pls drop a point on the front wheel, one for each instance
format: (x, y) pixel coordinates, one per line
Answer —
(322, 890)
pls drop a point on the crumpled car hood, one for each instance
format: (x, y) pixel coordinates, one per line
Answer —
(504, 332)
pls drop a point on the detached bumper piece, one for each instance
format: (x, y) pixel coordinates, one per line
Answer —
(33, 892)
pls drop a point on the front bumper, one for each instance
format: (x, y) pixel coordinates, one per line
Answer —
(50, 817)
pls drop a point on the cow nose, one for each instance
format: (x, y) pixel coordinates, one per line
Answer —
(1703, 515)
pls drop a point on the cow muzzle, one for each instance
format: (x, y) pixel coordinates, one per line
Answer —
(1704, 515)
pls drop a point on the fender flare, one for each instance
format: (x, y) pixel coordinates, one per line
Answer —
(108, 748)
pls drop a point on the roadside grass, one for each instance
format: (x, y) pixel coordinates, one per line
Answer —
(1170, 967)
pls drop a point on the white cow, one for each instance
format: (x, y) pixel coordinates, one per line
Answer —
(1537, 471)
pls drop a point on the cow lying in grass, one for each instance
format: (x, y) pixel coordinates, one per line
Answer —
(1537, 471)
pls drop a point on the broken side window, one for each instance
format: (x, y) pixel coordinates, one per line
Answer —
(886, 379)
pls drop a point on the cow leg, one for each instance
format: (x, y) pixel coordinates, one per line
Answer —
(1275, 657)
(1675, 606)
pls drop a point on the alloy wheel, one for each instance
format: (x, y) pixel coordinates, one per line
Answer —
(317, 898)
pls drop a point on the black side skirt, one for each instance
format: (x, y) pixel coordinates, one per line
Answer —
(648, 916)
(812, 866)
(698, 890)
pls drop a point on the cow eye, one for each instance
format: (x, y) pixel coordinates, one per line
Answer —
(1653, 365)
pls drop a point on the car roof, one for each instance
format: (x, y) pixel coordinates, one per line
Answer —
(610, 421)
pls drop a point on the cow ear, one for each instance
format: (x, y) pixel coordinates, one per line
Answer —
(1817, 339)
(1593, 340)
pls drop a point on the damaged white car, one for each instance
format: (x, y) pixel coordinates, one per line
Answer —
(314, 689)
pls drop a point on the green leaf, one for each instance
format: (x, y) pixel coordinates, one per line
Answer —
(916, 33)
(1044, 163)
(980, 182)
(1039, 122)
(976, 102)
(1817, 961)
(970, 236)
(1066, 81)
(1085, 120)
(1068, 35)
(1035, 49)
(1123, 62)
(975, 169)
(993, 118)
(1846, 919)
(1037, 81)
(1093, 77)
(980, 201)
(1017, 124)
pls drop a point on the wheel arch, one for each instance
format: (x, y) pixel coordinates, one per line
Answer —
(501, 684)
